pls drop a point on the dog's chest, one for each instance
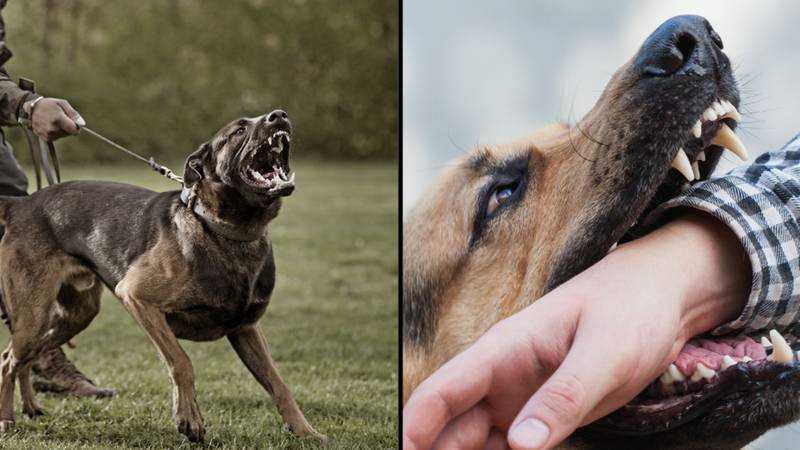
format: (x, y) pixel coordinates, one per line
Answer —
(205, 290)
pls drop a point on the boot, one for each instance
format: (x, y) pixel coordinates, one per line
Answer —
(53, 372)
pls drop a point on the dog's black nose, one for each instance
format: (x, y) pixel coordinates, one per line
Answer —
(680, 43)
(277, 116)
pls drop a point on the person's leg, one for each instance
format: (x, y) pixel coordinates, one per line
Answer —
(52, 371)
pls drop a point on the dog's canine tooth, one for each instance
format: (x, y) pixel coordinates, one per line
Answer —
(781, 351)
(696, 170)
(697, 129)
(681, 163)
(765, 342)
(666, 378)
(746, 359)
(727, 361)
(701, 156)
(709, 114)
(725, 137)
(731, 111)
(675, 373)
(613, 246)
(702, 372)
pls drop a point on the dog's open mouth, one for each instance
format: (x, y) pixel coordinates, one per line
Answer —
(267, 167)
(712, 131)
(706, 372)
(697, 156)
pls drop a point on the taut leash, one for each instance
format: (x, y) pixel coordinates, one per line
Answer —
(163, 170)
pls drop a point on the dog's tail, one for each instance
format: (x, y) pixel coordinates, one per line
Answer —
(6, 202)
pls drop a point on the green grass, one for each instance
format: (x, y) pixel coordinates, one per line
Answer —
(332, 328)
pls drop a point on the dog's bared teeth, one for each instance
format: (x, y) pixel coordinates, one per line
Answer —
(725, 137)
(696, 170)
(730, 111)
(697, 129)
(675, 373)
(718, 108)
(781, 351)
(702, 372)
(765, 342)
(709, 115)
(682, 164)
(727, 361)
(613, 247)
(701, 156)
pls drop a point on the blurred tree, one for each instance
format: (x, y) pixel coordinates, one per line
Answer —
(162, 76)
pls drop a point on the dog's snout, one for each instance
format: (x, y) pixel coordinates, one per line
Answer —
(277, 116)
(678, 43)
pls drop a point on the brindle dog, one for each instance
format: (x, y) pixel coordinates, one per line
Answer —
(509, 223)
(194, 264)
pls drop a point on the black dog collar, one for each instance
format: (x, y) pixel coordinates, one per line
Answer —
(213, 222)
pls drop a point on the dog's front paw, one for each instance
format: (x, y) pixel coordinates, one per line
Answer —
(33, 409)
(305, 430)
(191, 427)
(6, 425)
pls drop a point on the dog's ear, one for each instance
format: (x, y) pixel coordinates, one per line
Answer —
(194, 170)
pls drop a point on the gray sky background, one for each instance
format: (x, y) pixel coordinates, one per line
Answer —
(492, 71)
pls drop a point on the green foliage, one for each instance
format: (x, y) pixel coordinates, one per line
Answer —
(331, 325)
(163, 76)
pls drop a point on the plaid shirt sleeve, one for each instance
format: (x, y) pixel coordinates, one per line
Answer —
(761, 204)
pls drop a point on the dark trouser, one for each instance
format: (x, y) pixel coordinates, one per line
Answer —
(12, 182)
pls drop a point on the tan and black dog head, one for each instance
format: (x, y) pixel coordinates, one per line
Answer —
(250, 155)
(506, 224)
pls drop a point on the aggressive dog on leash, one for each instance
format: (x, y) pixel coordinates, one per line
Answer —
(194, 264)
(509, 223)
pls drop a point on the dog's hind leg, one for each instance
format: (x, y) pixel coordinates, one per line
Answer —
(251, 346)
(185, 409)
(28, 338)
(30, 407)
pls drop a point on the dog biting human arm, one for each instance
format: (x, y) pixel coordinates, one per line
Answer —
(588, 346)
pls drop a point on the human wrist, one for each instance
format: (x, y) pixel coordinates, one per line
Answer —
(711, 269)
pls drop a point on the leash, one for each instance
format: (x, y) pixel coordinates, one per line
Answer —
(161, 169)
(46, 159)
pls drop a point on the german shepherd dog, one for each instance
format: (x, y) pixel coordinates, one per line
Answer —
(193, 264)
(509, 223)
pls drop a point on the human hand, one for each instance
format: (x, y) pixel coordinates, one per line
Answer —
(586, 348)
(54, 118)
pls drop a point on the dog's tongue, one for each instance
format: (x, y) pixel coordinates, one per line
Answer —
(710, 353)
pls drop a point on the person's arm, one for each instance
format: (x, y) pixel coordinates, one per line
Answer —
(587, 347)
(50, 118)
(760, 204)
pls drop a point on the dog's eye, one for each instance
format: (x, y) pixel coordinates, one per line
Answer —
(499, 197)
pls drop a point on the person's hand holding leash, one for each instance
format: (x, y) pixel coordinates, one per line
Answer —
(54, 118)
(587, 347)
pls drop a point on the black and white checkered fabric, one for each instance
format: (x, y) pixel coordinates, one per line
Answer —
(761, 204)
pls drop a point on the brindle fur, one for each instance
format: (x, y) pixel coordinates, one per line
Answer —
(176, 277)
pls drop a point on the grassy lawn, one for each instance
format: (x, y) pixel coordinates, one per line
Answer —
(332, 328)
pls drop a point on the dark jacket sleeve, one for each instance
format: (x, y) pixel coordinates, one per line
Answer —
(760, 203)
(11, 96)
